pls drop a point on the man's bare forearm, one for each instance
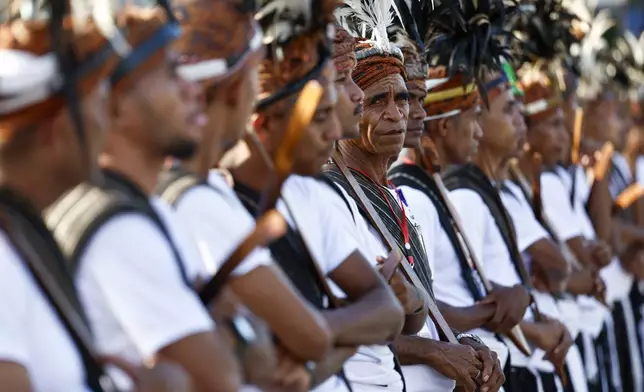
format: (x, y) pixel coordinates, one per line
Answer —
(415, 322)
(599, 206)
(466, 318)
(376, 318)
(332, 363)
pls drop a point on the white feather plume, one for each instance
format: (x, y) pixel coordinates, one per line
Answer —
(593, 75)
(283, 13)
(372, 19)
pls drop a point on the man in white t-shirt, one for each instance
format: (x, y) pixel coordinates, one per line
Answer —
(319, 241)
(437, 364)
(207, 204)
(134, 267)
(45, 342)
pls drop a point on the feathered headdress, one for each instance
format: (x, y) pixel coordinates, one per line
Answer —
(547, 34)
(297, 34)
(207, 56)
(369, 21)
(40, 73)
(404, 35)
(467, 39)
(462, 44)
(608, 57)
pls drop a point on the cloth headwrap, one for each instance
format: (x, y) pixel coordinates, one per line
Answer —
(373, 65)
(30, 79)
(542, 96)
(344, 46)
(297, 55)
(502, 81)
(497, 86)
(218, 37)
(447, 97)
(377, 56)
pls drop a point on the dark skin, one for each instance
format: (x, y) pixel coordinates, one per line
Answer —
(298, 326)
(500, 122)
(382, 131)
(456, 141)
(373, 315)
(350, 104)
(136, 147)
(411, 301)
(53, 147)
(415, 124)
(471, 365)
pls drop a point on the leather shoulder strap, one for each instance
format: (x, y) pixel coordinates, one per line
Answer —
(76, 217)
(44, 261)
(173, 184)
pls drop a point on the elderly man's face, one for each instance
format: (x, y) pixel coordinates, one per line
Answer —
(384, 124)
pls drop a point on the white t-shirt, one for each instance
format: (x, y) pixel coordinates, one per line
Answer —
(131, 287)
(30, 332)
(639, 170)
(326, 228)
(487, 243)
(556, 206)
(449, 285)
(219, 223)
(373, 366)
(527, 227)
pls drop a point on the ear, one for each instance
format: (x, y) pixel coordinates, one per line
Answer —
(445, 126)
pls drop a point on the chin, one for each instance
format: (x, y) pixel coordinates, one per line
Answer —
(351, 132)
(182, 150)
(412, 141)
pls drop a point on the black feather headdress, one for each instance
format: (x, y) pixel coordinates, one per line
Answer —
(466, 39)
(549, 34)
(297, 34)
(405, 35)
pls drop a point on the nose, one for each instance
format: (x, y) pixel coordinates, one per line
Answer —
(478, 131)
(355, 93)
(417, 111)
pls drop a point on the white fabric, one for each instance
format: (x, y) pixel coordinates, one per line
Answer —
(130, 285)
(449, 286)
(372, 368)
(317, 208)
(488, 244)
(639, 170)
(219, 223)
(30, 332)
(556, 206)
(527, 227)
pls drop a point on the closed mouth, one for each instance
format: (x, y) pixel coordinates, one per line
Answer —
(393, 132)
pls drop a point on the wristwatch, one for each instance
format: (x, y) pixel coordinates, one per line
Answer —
(470, 336)
(243, 331)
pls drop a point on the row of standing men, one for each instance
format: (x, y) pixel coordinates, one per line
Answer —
(216, 195)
